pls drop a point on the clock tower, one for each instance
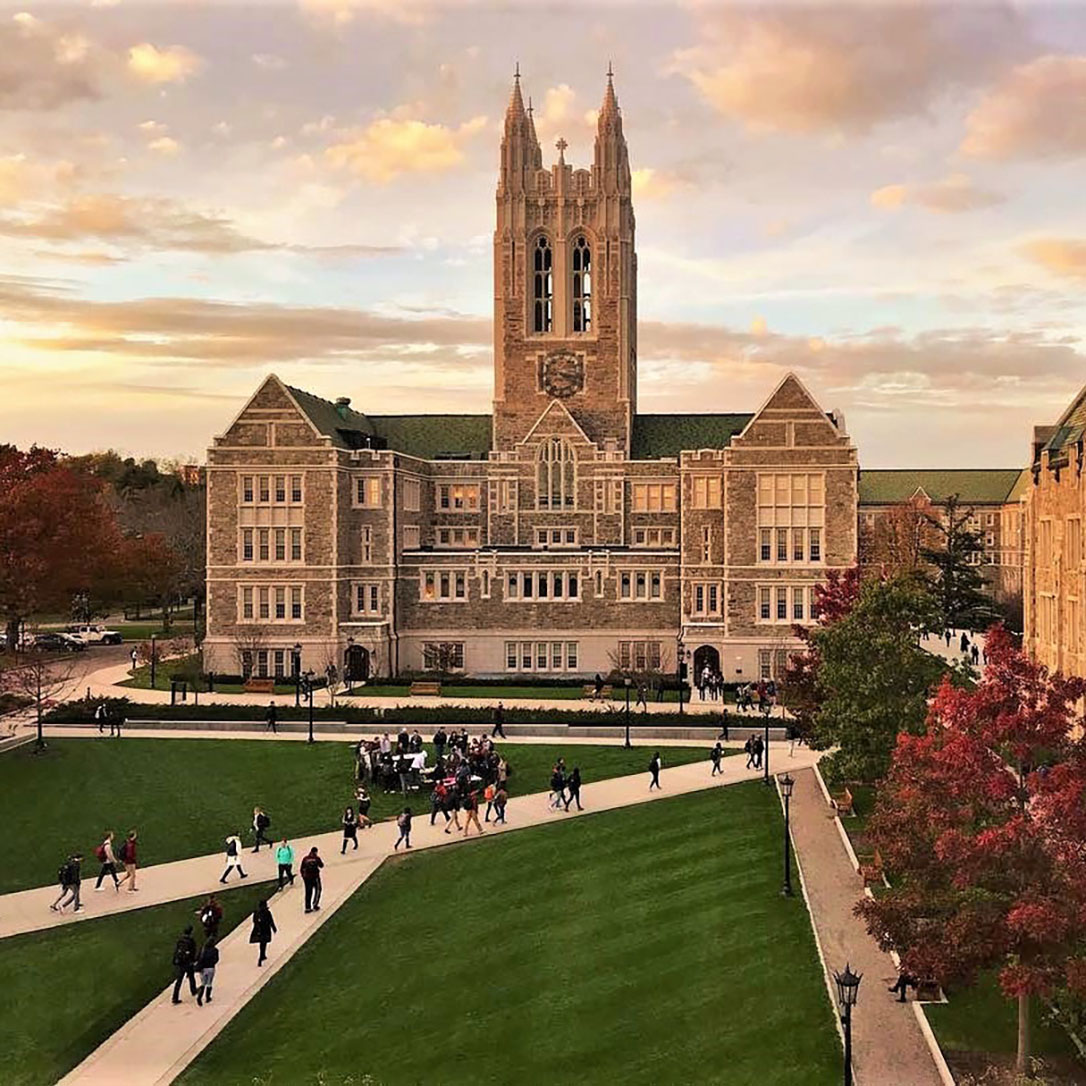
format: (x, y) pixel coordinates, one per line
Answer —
(565, 283)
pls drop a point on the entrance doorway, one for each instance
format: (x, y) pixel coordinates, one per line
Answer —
(356, 664)
(705, 657)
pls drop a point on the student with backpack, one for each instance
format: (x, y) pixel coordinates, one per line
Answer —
(261, 821)
(233, 857)
(573, 787)
(206, 963)
(471, 809)
(69, 877)
(714, 756)
(284, 857)
(404, 822)
(104, 855)
(350, 828)
(184, 963)
(100, 715)
(128, 858)
(654, 770)
(310, 870)
(210, 914)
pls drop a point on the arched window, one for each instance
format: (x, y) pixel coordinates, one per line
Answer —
(542, 286)
(582, 285)
(555, 478)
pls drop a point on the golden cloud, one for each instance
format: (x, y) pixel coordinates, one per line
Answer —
(652, 184)
(42, 68)
(173, 64)
(955, 193)
(389, 147)
(1062, 256)
(338, 13)
(1038, 111)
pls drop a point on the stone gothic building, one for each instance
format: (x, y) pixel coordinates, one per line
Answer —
(564, 534)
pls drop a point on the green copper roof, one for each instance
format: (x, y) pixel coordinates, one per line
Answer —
(656, 436)
(986, 485)
(431, 436)
(1071, 426)
(326, 417)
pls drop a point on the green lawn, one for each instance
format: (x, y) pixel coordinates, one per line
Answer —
(648, 945)
(512, 691)
(166, 669)
(185, 795)
(67, 989)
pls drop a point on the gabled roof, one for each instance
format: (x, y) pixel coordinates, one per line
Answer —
(983, 485)
(656, 436)
(431, 436)
(1071, 426)
(329, 420)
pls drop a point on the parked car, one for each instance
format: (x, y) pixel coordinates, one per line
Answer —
(58, 642)
(93, 634)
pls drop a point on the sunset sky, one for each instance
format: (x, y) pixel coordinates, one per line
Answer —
(888, 200)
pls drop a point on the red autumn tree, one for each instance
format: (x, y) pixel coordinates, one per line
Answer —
(980, 823)
(151, 572)
(799, 691)
(58, 537)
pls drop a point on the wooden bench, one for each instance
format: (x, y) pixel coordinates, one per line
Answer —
(430, 690)
(872, 872)
(590, 692)
(929, 991)
(842, 803)
(259, 686)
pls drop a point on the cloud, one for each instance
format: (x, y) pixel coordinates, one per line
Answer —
(339, 13)
(42, 68)
(164, 145)
(145, 223)
(836, 69)
(955, 193)
(269, 62)
(1065, 257)
(1037, 111)
(651, 184)
(173, 64)
(389, 147)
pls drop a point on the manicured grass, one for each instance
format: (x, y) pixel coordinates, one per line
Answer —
(512, 691)
(67, 989)
(185, 795)
(647, 945)
(981, 1019)
(165, 670)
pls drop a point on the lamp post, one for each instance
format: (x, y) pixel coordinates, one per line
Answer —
(626, 681)
(307, 679)
(154, 659)
(848, 986)
(680, 658)
(787, 783)
(765, 753)
(296, 661)
(348, 666)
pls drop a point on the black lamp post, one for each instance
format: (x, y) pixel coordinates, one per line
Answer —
(626, 681)
(765, 753)
(296, 660)
(680, 657)
(154, 659)
(787, 783)
(348, 666)
(848, 986)
(307, 681)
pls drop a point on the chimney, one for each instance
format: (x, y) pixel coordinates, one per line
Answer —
(343, 404)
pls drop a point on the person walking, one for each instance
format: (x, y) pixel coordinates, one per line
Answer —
(558, 785)
(964, 643)
(100, 715)
(499, 720)
(438, 798)
(184, 963)
(350, 829)
(270, 721)
(210, 915)
(263, 930)
(758, 749)
(501, 798)
(206, 963)
(310, 870)
(116, 719)
(488, 795)
(714, 756)
(748, 749)
(723, 719)
(404, 822)
(440, 741)
(642, 697)
(573, 789)
(597, 687)
(362, 798)
(471, 810)
(104, 854)
(654, 770)
(233, 857)
(70, 878)
(128, 858)
(284, 858)
(261, 821)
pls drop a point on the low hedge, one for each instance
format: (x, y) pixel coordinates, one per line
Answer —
(79, 712)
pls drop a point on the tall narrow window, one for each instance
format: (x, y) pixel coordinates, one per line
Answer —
(582, 285)
(555, 481)
(542, 286)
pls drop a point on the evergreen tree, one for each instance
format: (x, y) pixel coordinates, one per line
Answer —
(954, 576)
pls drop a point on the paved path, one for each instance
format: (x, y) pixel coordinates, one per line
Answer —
(887, 1044)
(160, 1041)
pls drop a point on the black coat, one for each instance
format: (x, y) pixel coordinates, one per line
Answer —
(263, 927)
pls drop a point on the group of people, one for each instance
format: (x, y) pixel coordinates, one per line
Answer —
(70, 873)
(756, 697)
(711, 683)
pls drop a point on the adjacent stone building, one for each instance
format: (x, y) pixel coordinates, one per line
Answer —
(562, 535)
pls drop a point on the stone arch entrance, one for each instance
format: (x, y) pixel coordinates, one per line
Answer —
(705, 656)
(356, 664)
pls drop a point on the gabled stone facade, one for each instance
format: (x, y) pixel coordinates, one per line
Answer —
(563, 535)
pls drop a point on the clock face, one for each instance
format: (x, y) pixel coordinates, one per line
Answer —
(563, 374)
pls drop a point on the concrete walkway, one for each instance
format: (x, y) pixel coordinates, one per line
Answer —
(159, 1042)
(888, 1046)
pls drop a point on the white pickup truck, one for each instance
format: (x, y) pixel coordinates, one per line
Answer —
(92, 634)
